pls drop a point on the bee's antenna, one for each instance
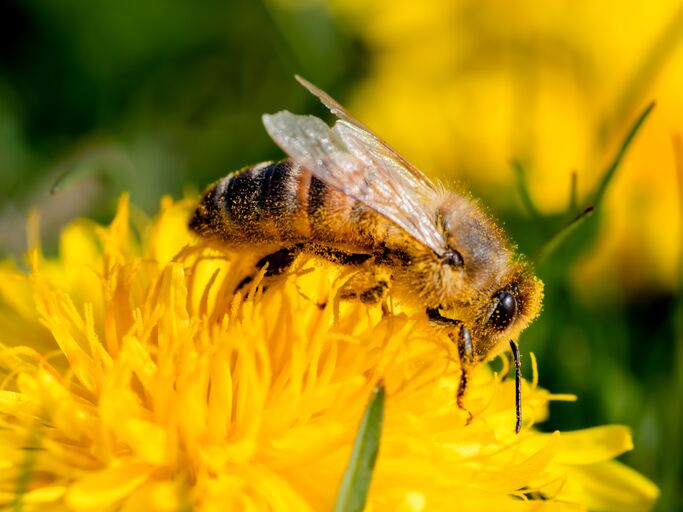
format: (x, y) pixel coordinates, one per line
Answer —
(518, 386)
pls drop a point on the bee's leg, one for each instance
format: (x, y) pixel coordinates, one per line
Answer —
(372, 295)
(436, 317)
(278, 262)
(367, 287)
(518, 386)
(465, 353)
(338, 256)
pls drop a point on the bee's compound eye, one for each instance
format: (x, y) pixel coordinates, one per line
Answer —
(505, 310)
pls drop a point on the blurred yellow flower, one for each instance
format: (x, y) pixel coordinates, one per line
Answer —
(462, 87)
(132, 379)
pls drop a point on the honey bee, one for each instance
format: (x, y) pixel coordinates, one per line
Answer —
(344, 195)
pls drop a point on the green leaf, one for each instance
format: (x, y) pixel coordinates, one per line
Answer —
(103, 163)
(28, 469)
(648, 69)
(573, 193)
(558, 238)
(523, 189)
(612, 169)
(561, 235)
(355, 484)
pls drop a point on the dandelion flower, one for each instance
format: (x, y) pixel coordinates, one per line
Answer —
(133, 379)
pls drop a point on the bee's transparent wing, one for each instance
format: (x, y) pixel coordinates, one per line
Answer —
(352, 159)
(400, 165)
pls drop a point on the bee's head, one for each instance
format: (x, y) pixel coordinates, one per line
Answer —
(498, 295)
(502, 313)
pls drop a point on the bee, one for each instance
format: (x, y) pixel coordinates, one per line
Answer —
(344, 195)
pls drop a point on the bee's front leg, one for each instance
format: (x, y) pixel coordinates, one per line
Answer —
(460, 335)
(466, 354)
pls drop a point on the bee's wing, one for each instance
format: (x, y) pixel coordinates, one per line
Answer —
(399, 166)
(350, 158)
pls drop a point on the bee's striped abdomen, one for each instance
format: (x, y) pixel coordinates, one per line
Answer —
(255, 205)
(260, 201)
(281, 203)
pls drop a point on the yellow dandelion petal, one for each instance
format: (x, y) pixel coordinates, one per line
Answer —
(134, 379)
(593, 445)
(101, 489)
(159, 496)
(38, 499)
(612, 486)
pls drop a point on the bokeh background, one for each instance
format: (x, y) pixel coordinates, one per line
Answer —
(526, 103)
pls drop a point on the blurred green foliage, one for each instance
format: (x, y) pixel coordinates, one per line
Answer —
(623, 359)
(165, 96)
(149, 95)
